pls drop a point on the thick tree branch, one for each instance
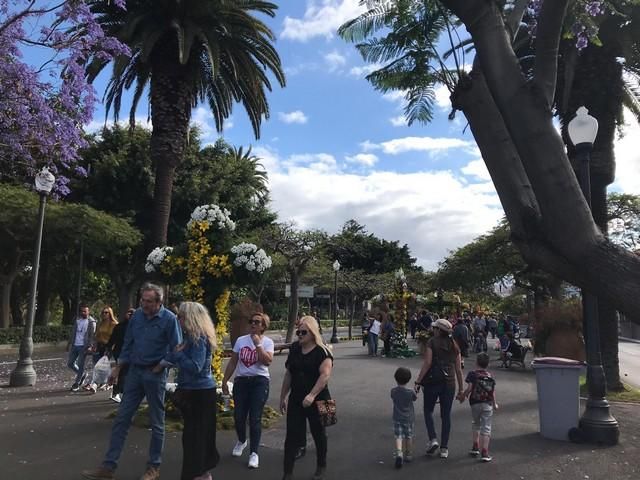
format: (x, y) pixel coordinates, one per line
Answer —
(514, 20)
(547, 44)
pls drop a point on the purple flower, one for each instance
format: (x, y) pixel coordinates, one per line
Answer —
(582, 42)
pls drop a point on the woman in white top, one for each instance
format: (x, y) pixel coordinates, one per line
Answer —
(252, 355)
(374, 332)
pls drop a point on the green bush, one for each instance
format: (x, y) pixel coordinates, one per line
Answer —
(41, 334)
(282, 325)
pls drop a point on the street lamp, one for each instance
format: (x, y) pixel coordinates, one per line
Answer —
(24, 374)
(334, 335)
(597, 425)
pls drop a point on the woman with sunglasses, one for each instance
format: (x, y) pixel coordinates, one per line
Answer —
(104, 330)
(115, 347)
(309, 367)
(250, 360)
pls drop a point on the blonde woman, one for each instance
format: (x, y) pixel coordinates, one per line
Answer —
(198, 391)
(309, 367)
(250, 360)
(101, 338)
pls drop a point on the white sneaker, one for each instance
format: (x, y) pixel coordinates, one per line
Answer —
(444, 452)
(432, 446)
(254, 461)
(116, 398)
(238, 449)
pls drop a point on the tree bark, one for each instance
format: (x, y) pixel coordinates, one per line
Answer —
(293, 303)
(16, 305)
(171, 101)
(44, 293)
(6, 280)
(563, 239)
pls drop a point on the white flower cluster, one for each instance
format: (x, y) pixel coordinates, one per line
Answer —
(250, 257)
(213, 214)
(156, 257)
(400, 275)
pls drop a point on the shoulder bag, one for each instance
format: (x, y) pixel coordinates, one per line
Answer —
(327, 412)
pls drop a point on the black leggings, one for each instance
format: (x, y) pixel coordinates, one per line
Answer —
(297, 417)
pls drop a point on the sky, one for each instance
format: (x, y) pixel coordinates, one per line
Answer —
(335, 149)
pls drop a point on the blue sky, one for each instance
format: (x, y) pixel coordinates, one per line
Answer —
(336, 149)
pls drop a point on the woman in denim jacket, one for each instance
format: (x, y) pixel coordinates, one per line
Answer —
(197, 390)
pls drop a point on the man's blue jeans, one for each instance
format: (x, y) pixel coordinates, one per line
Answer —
(77, 357)
(249, 396)
(141, 382)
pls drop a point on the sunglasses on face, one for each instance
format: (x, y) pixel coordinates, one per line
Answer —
(301, 333)
(255, 322)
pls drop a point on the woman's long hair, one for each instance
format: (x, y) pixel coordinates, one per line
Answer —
(112, 318)
(197, 322)
(312, 325)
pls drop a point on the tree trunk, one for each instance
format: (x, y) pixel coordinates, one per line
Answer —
(16, 305)
(171, 99)
(293, 304)
(68, 309)
(563, 241)
(5, 312)
(126, 292)
(44, 293)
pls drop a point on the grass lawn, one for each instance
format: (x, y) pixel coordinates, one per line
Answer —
(629, 394)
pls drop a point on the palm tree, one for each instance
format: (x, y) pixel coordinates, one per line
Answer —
(187, 52)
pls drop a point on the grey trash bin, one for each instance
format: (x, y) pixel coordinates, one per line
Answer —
(558, 381)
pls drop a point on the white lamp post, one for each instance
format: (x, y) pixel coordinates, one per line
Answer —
(334, 335)
(597, 425)
(24, 374)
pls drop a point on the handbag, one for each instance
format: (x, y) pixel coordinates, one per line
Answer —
(101, 371)
(436, 373)
(327, 412)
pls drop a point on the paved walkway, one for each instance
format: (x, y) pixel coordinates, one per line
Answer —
(48, 433)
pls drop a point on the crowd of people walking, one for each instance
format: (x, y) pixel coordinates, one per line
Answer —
(152, 339)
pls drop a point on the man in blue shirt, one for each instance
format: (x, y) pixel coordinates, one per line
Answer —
(152, 335)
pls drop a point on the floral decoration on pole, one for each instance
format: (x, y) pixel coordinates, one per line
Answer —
(206, 270)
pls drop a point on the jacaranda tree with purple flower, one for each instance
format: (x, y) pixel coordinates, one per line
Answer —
(43, 108)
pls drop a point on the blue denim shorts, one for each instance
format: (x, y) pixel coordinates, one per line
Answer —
(403, 430)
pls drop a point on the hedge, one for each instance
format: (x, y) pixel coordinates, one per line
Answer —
(60, 333)
(41, 334)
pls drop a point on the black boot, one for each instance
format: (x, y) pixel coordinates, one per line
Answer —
(319, 475)
(287, 476)
(301, 452)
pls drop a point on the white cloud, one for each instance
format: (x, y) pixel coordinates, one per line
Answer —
(366, 159)
(477, 169)
(297, 116)
(203, 118)
(364, 70)
(433, 212)
(335, 60)
(321, 19)
(420, 144)
(395, 96)
(368, 145)
(95, 126)
(628, 157)
(442, 95)
(398, 121)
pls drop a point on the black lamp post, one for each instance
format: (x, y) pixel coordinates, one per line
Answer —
(334, 335)
(597, 425)
(24, 374)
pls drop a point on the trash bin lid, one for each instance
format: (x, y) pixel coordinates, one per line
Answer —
(557, 362)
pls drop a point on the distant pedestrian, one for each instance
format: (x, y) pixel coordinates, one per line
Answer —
(309, 367)
(152, 334)
(425, 321)
(365, 328)
(79, 345)
(482, 399)
(462, 336)
(403, 416)
(413, 325)
(116, 342)
(250, 360)
(197, 390)
(388, 329)
(374, 331)
(104, 329)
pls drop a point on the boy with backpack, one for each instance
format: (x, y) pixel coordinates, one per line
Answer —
(403, 415)
(482, 399)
